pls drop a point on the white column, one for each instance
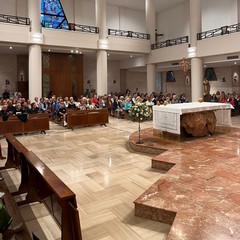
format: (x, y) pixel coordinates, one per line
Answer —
(150, 28)
(197, 79)
(101, 72)
(151, 78)
(100, 6)
(34, 14)
(35, 71)
(150, 19)
(196, 63)
(195, 21)
(102, 80)
(35, 51)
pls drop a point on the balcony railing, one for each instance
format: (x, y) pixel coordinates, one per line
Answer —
(14, 19)
(170, 42)
(219, 31)
(83, 28)
(128, 34)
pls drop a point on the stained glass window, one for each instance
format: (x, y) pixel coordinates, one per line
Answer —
(52, 14)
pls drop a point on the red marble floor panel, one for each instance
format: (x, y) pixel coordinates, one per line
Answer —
(200, 193)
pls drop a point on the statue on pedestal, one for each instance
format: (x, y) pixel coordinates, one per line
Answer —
(206, 91)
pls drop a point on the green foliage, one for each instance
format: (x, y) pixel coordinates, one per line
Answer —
(140, 112)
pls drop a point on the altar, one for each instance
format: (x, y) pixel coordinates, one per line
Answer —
(174, 118)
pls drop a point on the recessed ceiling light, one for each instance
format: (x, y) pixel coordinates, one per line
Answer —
(71, 51)
(235, 63)
(49, 50)
(10, 47)
(80, 52)
(108, 54)
(131, 56)
(76, 51)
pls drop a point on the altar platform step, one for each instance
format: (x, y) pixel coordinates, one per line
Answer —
(200, 192)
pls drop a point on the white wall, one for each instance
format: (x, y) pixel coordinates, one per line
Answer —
(136, 80)
(173, 22)
(132, 20)
(228, 85)
(9, 8)
(85, 12)
(113, 76)
(68, 7)
(14, 7)
(217, 13)
(8, 70)
(178, 87)
(113, 17)
(117, 17)
(22, 8)
(90, 73)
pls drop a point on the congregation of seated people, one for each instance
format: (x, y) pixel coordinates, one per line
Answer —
(117, 103)
(231, 98)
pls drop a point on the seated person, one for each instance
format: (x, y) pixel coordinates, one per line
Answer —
(128, 103)
(42, 105)
(17, 109)
(10, 108)
(25, 109)
(55, 107)
(71, 104)
(5, 222)
(34, 108)
(95, 100)
(62, 114)
(4, 113)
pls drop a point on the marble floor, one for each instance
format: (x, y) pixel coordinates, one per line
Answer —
(107, 176)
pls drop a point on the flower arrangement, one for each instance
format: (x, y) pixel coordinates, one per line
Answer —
(140, 112)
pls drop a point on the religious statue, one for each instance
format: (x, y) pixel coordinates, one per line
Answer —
(206, 90)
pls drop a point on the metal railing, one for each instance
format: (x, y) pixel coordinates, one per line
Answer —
(170, 42)
(219, 31)
(14, 19)
(83, 28)
(128, 34)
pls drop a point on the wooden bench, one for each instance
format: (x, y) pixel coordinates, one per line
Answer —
(76, 118)
(14, 212)
(41, 185)
(36, 122)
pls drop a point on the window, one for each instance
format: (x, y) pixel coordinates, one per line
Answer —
(52, 15)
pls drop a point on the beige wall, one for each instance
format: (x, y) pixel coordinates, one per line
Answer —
(8, 71)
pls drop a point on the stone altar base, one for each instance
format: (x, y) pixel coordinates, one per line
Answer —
(199, 124)
(200, 192)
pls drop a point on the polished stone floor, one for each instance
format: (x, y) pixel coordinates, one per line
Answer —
(200, 193)
(107, 176)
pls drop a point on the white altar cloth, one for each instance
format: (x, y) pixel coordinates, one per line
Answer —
(167, 118)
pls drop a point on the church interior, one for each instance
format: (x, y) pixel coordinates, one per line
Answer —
(114, 178)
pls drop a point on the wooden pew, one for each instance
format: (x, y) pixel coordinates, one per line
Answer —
(14, 212)
(13, 161)
(36, 122)
(41, 184)
(14, 150)
(76, 118)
